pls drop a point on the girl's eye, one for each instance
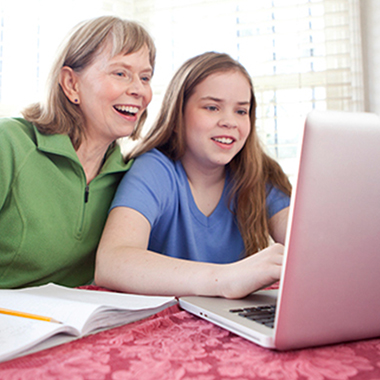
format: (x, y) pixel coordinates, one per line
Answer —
(211, 108)
(242, 112)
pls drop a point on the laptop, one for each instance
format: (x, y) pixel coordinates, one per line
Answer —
(329, 290)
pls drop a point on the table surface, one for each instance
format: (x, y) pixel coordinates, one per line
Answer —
(174, 344)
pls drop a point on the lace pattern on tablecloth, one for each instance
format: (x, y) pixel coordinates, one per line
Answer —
(177, 345)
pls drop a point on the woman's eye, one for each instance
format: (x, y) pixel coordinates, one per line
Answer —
(211, 108)
(122, 74)
(242, 112)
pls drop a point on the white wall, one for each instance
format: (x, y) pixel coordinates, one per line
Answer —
(370, 18)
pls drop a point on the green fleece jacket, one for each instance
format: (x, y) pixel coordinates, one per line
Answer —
(50, 220)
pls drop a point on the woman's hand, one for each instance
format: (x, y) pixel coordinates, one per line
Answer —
(243, 277)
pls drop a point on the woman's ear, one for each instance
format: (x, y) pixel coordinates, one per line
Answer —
(69, 84)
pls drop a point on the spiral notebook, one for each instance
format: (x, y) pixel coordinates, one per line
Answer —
(329, 287)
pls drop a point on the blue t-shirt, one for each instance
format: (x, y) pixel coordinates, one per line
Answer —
(158, 188)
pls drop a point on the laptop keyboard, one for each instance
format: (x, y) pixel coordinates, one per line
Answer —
(261, 314)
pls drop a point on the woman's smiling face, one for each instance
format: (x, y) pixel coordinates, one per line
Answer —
(113, 93)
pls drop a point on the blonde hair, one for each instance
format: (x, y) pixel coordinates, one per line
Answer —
(57, 114)
(252, 171)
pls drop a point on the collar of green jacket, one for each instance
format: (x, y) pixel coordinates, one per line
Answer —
(61, 145)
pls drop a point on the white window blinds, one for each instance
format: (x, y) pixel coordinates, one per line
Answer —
(302, 55)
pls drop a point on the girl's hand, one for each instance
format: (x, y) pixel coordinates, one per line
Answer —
(252, 273)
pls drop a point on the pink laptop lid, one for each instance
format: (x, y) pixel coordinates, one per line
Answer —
(330, 292)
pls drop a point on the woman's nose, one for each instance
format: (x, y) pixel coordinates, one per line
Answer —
(135, 87)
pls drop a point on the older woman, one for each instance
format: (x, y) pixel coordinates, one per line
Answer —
(60, 165)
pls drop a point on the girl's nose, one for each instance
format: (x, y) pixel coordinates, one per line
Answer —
(227, 122)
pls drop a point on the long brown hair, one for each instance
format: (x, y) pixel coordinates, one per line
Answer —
(57, 114)
(252, 171)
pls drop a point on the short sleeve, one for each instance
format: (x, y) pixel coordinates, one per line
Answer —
(276, 201)
(147, 186)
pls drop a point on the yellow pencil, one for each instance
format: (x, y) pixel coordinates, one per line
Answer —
(27, 315)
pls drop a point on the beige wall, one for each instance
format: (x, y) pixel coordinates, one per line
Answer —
(370, 18)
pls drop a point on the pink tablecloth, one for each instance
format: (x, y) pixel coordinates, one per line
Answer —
(176, 345)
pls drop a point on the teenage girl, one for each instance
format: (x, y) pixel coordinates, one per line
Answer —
(196, 212)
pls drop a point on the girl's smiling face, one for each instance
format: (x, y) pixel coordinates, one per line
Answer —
(113, 93)
(216, 119)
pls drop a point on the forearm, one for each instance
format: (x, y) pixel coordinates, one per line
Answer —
(123, 263)
(134, 270)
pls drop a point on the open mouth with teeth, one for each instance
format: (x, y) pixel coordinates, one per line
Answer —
(127, 110)
(224, 140)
